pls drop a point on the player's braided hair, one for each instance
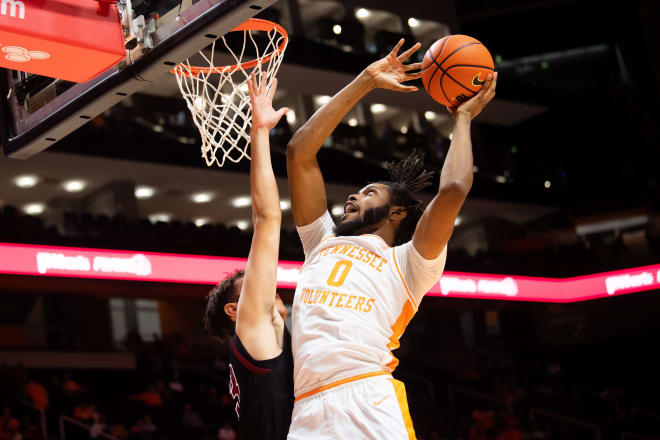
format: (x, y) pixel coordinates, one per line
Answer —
(407, 177)
(217, 322)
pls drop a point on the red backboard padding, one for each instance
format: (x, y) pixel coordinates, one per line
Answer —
(74, 40)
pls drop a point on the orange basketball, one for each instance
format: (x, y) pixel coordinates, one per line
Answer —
(455, 68)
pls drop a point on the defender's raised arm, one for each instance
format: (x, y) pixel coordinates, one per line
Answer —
(256, 306)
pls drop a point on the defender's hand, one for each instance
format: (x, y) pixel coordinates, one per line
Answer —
(474, 105)
(263, 114)
(390, 72)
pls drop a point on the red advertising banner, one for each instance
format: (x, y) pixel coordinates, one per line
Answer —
(55, 261)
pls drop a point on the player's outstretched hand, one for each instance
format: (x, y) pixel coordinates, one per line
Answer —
(473, 106)
(263, 114)
(390, 72)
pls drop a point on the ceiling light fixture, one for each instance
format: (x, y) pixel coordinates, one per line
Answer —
(291, 117)
(362, 13)
(34, 208)
(241, 201)
(338, 210)
(202, 197)
(201, 221)
(242, 224)
(144, 192)
(26, 180)
(160, 217)
(74, 185)
(378, 108)
(321, 99)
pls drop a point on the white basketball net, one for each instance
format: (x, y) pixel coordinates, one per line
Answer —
(218, 98)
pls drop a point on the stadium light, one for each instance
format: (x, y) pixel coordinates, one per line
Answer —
(144, 192)
(34, 208)
(26, 181)
(74, 185)
(201, 221)
(413, 22)
(202, 197)
(291, 117)
(242, 224)
(378, 108)
(336, 29)
(322, 99)
(285, 205)
(160, 217)
(241, 202)
(362, 13)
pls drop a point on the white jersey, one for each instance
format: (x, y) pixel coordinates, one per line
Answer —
(355, 297)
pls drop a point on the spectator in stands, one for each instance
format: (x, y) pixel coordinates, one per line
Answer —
(7, 423)
(37, 394)
(512, 429)
(190, 418)
(483, 422)
(149, 397)
(118, 431)
(145, 427)
(227, 432)
(85, 412)
(14, 434)
(98, 427)
(30, 430)
(70, 386)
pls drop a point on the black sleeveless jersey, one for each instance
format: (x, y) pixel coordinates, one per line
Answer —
(262, 391)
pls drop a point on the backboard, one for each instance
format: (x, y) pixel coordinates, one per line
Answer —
(159, 34)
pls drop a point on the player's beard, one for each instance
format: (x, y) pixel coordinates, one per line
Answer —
(363, 225)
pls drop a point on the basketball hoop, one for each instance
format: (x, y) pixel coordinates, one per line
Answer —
(217, 96)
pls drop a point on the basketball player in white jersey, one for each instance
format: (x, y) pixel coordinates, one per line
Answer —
(364, 278)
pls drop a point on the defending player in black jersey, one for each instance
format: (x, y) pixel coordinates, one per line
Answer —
(245, 307)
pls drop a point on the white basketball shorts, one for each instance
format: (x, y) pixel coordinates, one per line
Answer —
(374, 408)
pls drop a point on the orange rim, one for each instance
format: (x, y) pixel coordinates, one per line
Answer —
(252, 24)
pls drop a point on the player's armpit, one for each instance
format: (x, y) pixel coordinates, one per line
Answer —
(437, 222)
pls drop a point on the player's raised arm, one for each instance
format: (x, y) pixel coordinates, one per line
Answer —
(256, 305)
(437, 221)
(308, 200)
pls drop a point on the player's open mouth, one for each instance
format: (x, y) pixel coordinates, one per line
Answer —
(350, 207)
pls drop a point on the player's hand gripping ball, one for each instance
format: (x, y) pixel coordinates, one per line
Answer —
(455, 68)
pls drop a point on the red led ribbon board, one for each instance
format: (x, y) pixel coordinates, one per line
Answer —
(54, 261)
(73, 40)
